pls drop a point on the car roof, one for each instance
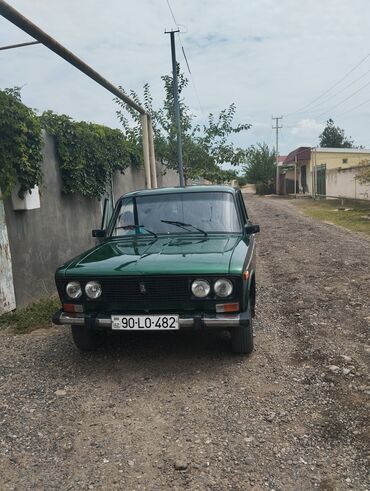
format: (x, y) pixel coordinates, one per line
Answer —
(182, 189)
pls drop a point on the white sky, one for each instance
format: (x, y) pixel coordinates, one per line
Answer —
(269, 57)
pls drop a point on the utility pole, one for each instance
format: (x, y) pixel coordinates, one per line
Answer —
(277, 128)
(16, 18)
(176, 104)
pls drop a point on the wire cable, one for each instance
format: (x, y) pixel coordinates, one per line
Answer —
(330, 88)
(344, 100)
(317, 106)
(186, 60)
(354, 108)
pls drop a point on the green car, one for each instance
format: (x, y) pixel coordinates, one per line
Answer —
(169, 259)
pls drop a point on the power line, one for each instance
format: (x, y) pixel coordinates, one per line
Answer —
(186, 60)
(344, 100)
(354, 108)
(330, 88)
(316, 106)
(173, 15)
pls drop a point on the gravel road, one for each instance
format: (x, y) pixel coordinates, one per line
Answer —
(180, 412)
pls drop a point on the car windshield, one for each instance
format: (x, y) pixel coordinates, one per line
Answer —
(180, 213)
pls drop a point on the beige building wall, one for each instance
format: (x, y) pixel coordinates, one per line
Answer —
(344, 184)
(344, 160)
(339, 174)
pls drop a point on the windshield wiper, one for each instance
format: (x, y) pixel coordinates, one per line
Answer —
(185, 226)
(135, 227)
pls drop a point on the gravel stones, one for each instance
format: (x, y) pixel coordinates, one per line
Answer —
(185, 411)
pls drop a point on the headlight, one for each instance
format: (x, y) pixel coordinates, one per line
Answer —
(73, 289)
(223, 287)
(93, 289)
(200, 288)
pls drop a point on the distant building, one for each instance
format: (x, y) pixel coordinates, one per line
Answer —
(328, 172)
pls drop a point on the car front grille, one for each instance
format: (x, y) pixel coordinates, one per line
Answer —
(136, 289)
(141, 290)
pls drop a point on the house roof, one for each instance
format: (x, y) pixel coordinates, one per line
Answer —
(300, 153)
(281, 159)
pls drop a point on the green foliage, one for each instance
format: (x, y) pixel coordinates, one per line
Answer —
(263, 188)
(88, 153)
(333, 137)
(205, 147)
(34, 316)
(260, 167)
(242, 180)
(20, 144)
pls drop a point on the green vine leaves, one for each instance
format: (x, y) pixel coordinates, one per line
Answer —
(88, 154)
(20, 144)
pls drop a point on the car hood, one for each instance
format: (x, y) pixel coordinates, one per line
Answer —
(162, 255)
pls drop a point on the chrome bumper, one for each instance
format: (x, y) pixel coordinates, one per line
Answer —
(223, 321)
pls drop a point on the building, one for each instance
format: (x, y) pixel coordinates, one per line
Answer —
(331, 172)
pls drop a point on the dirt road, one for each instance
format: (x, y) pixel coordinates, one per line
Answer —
(179, 412)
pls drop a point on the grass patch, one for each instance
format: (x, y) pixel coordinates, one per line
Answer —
(34, 316)
(325, 210)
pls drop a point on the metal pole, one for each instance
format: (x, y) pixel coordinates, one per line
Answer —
(11, 46)
(177, 107)
(27, 26)
(145, 133)
(295, 176)
(315, 175)
(277, 127)
(152, 153)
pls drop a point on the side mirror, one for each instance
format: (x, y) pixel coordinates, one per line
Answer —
(98, 233)
(252, 229)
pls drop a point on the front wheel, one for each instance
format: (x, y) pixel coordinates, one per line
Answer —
(242, 337)
(86, 339)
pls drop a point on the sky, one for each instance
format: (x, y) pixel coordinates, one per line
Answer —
(307, 61)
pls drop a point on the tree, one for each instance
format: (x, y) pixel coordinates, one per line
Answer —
(260, 167)
(205, 147)
(333, 137)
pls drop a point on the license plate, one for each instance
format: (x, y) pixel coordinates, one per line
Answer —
(145, 322)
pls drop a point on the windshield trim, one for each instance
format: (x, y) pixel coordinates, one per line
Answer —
(123, 198)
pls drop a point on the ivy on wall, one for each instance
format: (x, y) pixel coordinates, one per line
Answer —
(88, 153)
(20, 144)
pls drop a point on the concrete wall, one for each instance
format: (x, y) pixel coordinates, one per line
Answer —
(343, 183)
(43, 239)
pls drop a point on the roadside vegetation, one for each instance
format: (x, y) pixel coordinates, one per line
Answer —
(206, 147)
(35, 316)
(355, 216)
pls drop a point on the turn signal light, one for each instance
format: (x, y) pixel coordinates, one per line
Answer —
(71, 308)
(227, 307)
(246, 275)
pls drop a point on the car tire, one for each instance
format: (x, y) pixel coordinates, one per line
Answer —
(87, 339)
(242, 337)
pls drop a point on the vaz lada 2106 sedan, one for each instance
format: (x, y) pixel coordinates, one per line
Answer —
(170, 258)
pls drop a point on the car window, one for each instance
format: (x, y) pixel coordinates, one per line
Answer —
(209, 212)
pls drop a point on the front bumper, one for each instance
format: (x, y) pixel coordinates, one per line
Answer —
(197, 321)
